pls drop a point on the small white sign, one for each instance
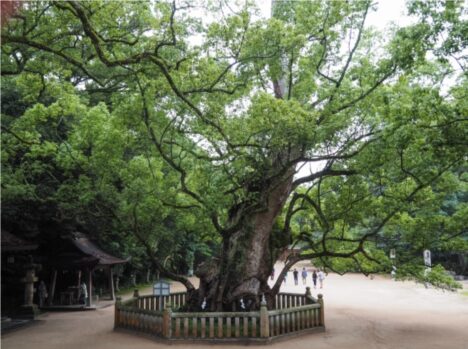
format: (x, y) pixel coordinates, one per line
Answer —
(427, 258)
(392, 253)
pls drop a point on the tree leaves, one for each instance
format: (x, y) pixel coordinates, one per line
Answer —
(141, 117)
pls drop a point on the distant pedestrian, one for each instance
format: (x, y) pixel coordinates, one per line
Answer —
(321, 277)
(304, 276)
(285, 277)
(296, 277)
(273, 274)
(314, 278)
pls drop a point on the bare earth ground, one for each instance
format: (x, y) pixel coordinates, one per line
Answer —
(360, 313)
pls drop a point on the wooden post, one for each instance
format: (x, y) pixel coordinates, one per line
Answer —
(322, 310)
(167, 321)
(117, 312)
(90, 287)
(111, 284)
(264, 320)
(52, 287)
(308, 296)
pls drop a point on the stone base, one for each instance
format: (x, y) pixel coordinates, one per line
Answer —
(28, 311)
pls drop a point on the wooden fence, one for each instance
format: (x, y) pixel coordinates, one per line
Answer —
(290, 320)
(293, 313)
(215, 325)
(290, 300)
(176, 300)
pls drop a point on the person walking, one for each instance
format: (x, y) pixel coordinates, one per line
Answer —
(273, 274)
(321, 277)
(304, 276)
(314, 278)
(296, 277)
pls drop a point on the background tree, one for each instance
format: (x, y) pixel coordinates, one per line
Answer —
(210, 123)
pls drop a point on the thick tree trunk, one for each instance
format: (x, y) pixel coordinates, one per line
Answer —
(239, 277)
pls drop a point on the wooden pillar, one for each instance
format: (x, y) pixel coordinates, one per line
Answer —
(322, 310)
(117, 312)
(90, 288)
(308, 296)
(53, 281)
(167, 321)
(264, 320)
(136, 293)
(111, 284)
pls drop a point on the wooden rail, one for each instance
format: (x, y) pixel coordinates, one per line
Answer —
(216, 325)
(140, 320)
(292, 313)
(289, 300)
(294, 319)
(159, 302)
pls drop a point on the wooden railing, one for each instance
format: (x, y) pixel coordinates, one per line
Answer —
(293, 313)
(285, 321)
(215, 325)
(141, 321)
(176, 300)
(289, 300)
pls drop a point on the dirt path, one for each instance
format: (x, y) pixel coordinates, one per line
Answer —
(360, 313)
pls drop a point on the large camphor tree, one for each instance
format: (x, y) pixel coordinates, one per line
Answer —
(309, 128)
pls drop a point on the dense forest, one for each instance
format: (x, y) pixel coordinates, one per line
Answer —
(201, 136)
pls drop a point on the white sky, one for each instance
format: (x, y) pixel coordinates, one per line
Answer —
(388, 11)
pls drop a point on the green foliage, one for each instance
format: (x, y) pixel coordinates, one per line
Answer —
(162, 133)
(436, 276)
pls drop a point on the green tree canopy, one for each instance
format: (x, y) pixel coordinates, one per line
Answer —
(177, 121)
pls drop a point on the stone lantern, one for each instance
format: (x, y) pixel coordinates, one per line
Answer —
(29, 309)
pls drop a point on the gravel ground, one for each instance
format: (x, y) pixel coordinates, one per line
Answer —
(360, 313)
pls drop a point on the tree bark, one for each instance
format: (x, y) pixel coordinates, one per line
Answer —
(246, 261)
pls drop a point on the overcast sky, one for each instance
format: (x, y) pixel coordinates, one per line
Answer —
(388, 11)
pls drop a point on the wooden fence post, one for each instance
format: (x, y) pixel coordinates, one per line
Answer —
(264, 320)
(322, 310)
(308, 296)
(167, 321)
(117, 312)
